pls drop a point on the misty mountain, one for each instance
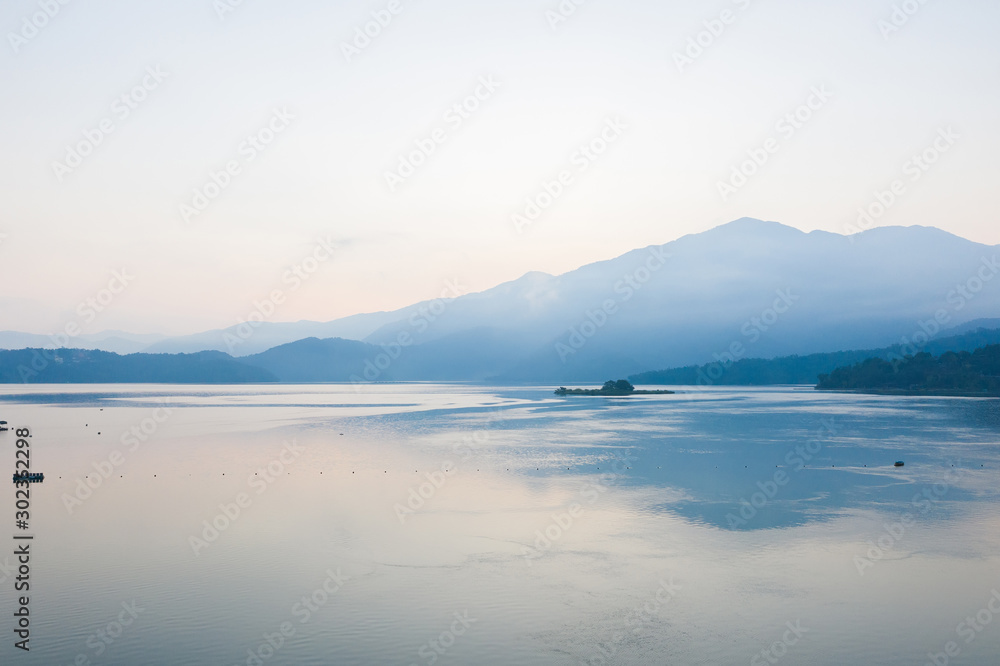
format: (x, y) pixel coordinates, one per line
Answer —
(315, 360)
(246, 339)
(118, 342)
(458, 357)
(86, 366)
(747, 289)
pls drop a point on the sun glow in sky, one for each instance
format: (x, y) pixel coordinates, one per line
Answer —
(210, 147)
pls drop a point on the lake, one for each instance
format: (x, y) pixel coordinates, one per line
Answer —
(465, 524)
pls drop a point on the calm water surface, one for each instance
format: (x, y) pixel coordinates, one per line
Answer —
(453, 524)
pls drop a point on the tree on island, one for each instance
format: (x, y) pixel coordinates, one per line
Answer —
(622, 387)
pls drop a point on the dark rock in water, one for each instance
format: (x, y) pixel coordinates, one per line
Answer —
(899, 463)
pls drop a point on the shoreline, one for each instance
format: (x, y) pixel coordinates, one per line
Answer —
(926, 393)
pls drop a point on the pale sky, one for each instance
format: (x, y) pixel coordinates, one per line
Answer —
(674, 132)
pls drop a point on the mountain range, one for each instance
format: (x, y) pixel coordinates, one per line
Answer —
(747, 289)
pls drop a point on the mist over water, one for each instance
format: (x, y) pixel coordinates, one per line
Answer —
(460, 524)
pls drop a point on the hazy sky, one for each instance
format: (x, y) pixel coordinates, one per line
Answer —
(199, 80)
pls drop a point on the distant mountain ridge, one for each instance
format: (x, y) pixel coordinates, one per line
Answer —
(337, 360)
(763, 288)
(87, 366)
(118, 342)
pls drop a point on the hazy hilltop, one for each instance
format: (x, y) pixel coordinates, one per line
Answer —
(765, 287)
(86, 366)
(118, 342)
(750, 287)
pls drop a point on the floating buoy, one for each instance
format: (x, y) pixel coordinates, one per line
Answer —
(899, 463)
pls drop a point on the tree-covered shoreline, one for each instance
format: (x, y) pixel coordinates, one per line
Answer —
(974, 373)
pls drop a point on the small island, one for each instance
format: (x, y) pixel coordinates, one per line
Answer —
(613, 388)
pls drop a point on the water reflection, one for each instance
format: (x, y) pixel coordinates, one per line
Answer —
(547, 530)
